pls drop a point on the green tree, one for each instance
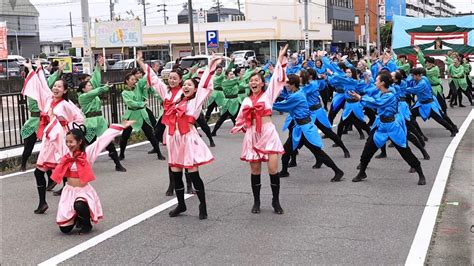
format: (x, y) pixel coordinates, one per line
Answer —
(72, 51)
(386, 35)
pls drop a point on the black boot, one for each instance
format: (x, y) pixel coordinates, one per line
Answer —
(421, 176)
(83, 217)
(284, 165)
(293, 159)
(275, 183)
(460, 99)
(256, 185)
(361, 175)
(211, 143)
(201, 194)
(41, 186)
(152, 151)
(179, 189)
(170, 190)
(383, 153)
(118, 166)
(338, 174)
(317, 165)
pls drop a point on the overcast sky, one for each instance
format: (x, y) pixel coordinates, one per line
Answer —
(54, 14)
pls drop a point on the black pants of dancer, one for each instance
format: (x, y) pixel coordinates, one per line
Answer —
(411, 137)
(453, 94)
(443, 120)
(221, 121)
(112, 151)
(330, 134)
(414, 128)
(333, 112)
(209, 110)
(151, 116)
(370, 148)
(159, 130)
(147, 129)
(354, 120)
(441, 101)
(28, 145)
(83, 218)
(371, 114)
(467, 93)
(201, 121)
(326, 96)
(316, 151)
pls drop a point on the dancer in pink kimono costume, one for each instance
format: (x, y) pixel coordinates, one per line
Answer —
(79, 203)
(55, 108)
(186, 149)
(261, 141)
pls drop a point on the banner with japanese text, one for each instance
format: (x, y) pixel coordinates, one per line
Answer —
(3, 40)
(122, 33)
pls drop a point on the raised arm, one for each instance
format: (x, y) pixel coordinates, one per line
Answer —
(99, 145)
(96, 78)
(206, 85)
(89, 96)
(287, 105)
(278, 80)
(35, 88)
(151, 78)
(127, 97)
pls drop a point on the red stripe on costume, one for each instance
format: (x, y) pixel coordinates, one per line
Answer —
(268, 152)
(46, 133)
(189, 166)
(208, 79)
(26, 81)
(254, 161)
(47, 165)
(117, 127)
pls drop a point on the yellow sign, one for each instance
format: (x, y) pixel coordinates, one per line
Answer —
(67, 61)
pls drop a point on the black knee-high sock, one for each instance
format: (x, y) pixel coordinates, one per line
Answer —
(275, 183)
(49, 173)
(41, 185)
(256, 185)
(179, 187)
(199, 186)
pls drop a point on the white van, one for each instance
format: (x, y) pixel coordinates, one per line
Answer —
(243, 57)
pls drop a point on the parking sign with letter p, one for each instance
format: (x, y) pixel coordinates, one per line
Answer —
(212, 39)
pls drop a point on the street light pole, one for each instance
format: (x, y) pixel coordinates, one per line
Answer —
(17, 46)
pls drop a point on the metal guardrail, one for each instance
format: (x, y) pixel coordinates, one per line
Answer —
(14, 113)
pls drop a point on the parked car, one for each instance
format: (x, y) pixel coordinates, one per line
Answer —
(10, 68)
(243, 57)
(123, 65)
(166, 70)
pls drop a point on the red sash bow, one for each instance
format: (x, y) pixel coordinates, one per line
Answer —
(83, 168)
(176, 114)
(44, 120)
(255, 112)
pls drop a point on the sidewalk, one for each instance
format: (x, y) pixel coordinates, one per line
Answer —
(452, 240)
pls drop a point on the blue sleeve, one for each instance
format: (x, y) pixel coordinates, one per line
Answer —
(416, 89)
(374, 69)
(392, 66)
(375, 102)
(287, 105)
(348, 64)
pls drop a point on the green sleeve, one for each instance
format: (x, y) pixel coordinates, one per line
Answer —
(230, 66)
(449, 61)
(96, 78)
(127, 97)
(53, 78)
(421, 57)
(247, 75)
(93, 93)
(187, 76)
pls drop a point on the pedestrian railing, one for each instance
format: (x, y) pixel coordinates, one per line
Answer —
(14, 112)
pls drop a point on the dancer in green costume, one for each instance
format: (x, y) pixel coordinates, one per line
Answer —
(458, 81)
(136, 111)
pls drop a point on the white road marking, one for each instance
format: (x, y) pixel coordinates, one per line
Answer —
(110, 233)
(421, 242)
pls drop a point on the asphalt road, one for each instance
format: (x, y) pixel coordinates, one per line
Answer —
(371, 222)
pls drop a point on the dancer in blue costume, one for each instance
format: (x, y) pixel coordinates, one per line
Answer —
(304, 131)
(399, 87)
(353, 110)
(338, 98)
(426, 105)
(388, 127)
(386, 62)
(326, 94)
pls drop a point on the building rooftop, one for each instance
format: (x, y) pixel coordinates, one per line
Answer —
(18, 8)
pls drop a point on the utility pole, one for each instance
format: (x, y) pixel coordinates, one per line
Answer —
(144, 12)
(111, 9)
(367, 27)
(164, 11)
(238, 4)
(440, 7)
(378, 27)
(191, 26)
(70, 25)
(306, 39)
(424, 8)
(218, 11)
(85, 32)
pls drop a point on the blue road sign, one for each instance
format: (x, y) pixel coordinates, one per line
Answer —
(212, 39)
(226, 45)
